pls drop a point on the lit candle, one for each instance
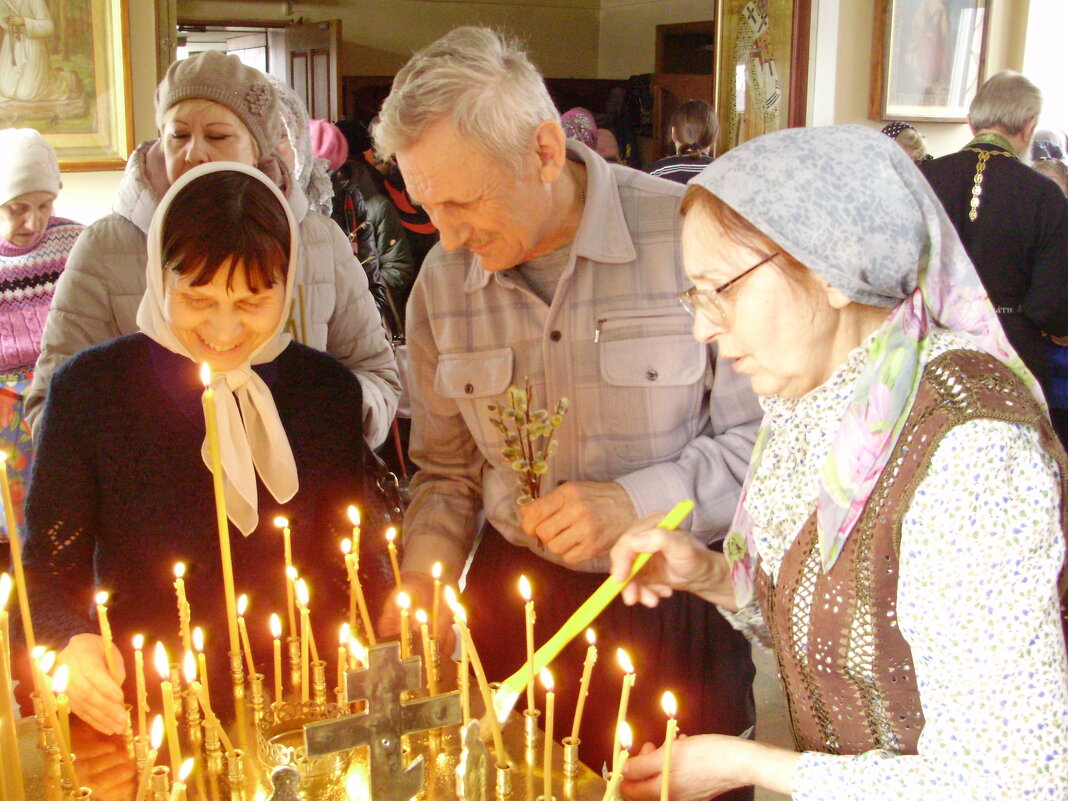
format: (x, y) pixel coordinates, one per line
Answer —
(155, 740)
(357, 600)
(305, 625)
(354, 518)
(105, 632)
(547, 768)
(584, 685)
(623, 736)
(189, 669)
(15, 544)
(139, 683)
(460, 616)
(624, 698)
(183, 605)
(346, 551)
(276, 633)
(342, 656)
(670, 709)
(528, 616)
(391, 546)
(357, 652)
(465, 671)
(163, 666)
(242, 607)
(431, 673)
(9, 744)
(202, 658)
(435, 616)
(287, 546)
(178, 788)
(405, 603)
(59, 688)
(212, 426)
(51, 705)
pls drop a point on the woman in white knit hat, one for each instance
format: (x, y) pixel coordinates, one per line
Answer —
(33, 252)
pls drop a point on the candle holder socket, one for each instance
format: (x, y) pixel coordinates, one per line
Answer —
(235, 772)
(42, 719)
(530, 727)
(192, 717)
(176, 691)
(160, 782)
(237, 674)
(571, 758)
(503, 784)
(318, 688)
(81, 793)
(140, 756)
(293, 651)
(256, 680)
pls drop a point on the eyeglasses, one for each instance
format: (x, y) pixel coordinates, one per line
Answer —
(707, 301)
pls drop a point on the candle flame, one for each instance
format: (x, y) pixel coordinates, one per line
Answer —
(346, 546)
(624, 661)
(179, 569)
(459, 613)
(5, 590)
(47, 661)
(242, 605)
(344, 636)
(524, 588)
(546, 679)
(354, 515)
(391, 534)
(302, 593)
(138, 641)
(59, 681)
(420, 617)
(404, 601)
(163, 665)
(185, 770)
(3, 456)
(189, 667)
(155, 737)
(291, 573)
(37, 652)
(205, 374)
(669, 705)
(276, 626)
(358, 651)
(198, 639)
(625, 736)
(450, 597)
(101, 598)
(591, 637)
(281, 522)
(435, 571)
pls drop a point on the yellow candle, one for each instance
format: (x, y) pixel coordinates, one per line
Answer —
(465, 673)
(287, 546)
(178, 788)
(276, 633)
(391, 546)
(183, 606)
(189, 669)
(547, 768)
(105, 632)
(202, 659)
(584, 685)
(624, 698)
(302, 589)
(150, 758)
(528, 616)
(354, 518)
(163, 666)
(342, 656)
(346, 551)
(428, 658)
(357, 653)
(12, 767)
(59, 689)
(435, 616)
(405, 603)
(51, 707)
(305, 626)
(623, 736)
(15, 545)
(139, 683)
(460, 616)
(242, 607)
(212, 426)
(670, 709)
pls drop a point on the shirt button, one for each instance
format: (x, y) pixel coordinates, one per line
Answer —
(555, 336)
(652, 375)
(469, 388)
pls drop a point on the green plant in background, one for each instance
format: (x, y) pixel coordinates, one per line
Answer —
(528, 437)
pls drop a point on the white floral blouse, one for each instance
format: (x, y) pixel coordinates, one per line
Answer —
(981, 548)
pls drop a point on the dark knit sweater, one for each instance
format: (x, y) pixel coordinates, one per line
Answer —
(120, 493)
(27, 280)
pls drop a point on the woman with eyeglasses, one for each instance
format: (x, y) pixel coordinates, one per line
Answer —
(900, 538)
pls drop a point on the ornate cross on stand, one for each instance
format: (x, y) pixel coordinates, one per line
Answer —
(385, 721)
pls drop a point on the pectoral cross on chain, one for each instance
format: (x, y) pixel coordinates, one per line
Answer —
(385, 721)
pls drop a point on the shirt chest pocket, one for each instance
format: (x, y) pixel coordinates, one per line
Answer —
(473, 380)
(650, 349)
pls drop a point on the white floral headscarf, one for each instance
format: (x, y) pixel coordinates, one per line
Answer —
(850, 205)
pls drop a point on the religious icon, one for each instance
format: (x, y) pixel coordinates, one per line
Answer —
(756, 95)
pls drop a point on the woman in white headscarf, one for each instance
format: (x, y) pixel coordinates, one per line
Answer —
(900, 537)
(121, 492)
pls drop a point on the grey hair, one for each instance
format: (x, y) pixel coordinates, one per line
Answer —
(484, 80)
(1007, 102)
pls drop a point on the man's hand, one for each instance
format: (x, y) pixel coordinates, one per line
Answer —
(94, 696)
(420, 588)
(579, 519)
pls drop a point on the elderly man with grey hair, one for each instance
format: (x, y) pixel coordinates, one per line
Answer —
(1012, 221)
(561, 271)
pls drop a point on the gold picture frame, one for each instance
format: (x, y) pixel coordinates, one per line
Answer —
(65, 71)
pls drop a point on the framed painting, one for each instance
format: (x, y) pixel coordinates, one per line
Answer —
(761, 67)
(65, 70)
(928, 60)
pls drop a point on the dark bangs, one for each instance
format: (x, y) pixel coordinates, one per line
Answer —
(227, 217)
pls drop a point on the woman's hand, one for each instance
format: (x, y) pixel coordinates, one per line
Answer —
(103, 764)
(679, 563)
(94, 696)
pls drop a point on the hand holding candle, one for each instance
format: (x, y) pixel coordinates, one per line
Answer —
(670, 709)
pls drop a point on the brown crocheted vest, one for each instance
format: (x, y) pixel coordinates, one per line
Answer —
(846, 669)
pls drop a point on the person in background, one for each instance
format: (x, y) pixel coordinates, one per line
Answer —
(910, 140)
(693, 130)
(34, 245)
(310, 171)
(1055, 170)
(1049, 144)
(580, 124)
(211, 107)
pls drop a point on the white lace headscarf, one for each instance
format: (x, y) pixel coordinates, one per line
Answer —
(310, 172)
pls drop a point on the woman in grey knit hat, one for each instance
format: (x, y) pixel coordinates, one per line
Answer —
(212, 107)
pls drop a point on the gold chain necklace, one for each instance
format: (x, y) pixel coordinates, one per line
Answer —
(977, 179)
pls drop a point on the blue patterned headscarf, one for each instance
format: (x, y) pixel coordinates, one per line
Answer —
(850, 205)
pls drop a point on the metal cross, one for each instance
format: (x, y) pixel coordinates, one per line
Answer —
(385, 721)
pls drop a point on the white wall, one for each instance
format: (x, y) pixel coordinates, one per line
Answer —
(627, 40)
(1044, 61)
